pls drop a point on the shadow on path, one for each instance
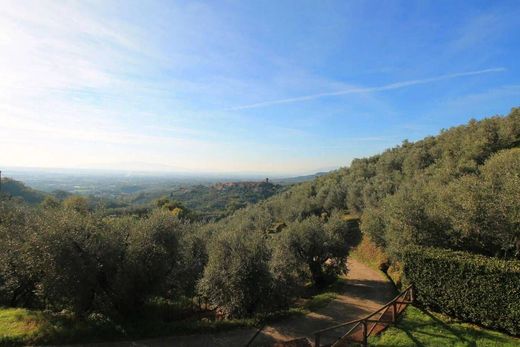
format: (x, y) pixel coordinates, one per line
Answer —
(364, 291)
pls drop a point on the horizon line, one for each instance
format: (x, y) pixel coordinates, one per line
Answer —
(194, 173)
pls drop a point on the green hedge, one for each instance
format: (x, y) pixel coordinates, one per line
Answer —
(471, 287)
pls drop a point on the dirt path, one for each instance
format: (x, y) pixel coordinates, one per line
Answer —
(365, 291)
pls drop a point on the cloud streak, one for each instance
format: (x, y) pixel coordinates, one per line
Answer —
(391, 86)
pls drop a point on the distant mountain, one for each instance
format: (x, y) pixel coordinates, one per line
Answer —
(15, 188)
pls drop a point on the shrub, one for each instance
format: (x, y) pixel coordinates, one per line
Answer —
(237, 277)
(76, 203)
(471, 287)
(66, 248)
(149, 255)
(322, 247)
(79, 261)
(17, 265)
(192, 259)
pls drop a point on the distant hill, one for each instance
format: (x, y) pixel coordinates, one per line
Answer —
(219, 199)
(15, 188)
(207, 201)
(297, 179)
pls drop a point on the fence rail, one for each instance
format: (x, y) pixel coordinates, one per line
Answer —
(358, 331)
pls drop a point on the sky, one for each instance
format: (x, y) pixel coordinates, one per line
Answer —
(278, 87)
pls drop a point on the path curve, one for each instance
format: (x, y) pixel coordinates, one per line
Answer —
(364, 292)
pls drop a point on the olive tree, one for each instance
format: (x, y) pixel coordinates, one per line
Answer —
(237, 277)
(321, 246)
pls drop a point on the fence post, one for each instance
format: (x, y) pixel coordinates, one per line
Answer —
(317, 340)
(365, 334)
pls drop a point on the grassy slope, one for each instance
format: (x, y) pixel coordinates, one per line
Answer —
(373, 256)
(419, 328)
(422, 328)
(19, 327)
(369, 254)
(15, 324)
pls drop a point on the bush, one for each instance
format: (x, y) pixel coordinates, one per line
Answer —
(237, 277)
(150, 253)
(471, 287)
(321, 247)
(192, 259)
(66, 246)
(79, 261)
(17, 265)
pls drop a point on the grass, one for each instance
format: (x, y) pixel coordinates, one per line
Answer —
(323, 297)
(416, 328)
(423, 328)
(368, 253)
(16, 324)
(22, 326)
(320, 300)
(375, 257)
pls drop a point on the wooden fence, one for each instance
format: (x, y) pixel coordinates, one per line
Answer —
(356, 332)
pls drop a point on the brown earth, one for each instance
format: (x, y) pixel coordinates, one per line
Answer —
(364, 292)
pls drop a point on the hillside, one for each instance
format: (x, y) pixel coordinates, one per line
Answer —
(297, 179)
(223, 198)
(432, 192)
(207, 201)
(210, 201)
(454, 194)
(15, 188)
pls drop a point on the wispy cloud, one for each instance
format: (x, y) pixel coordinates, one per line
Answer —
(93, 81)
(391, 86)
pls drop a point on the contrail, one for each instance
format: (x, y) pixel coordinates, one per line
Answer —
(396, 85)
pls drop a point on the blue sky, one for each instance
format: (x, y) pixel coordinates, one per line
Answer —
(279, 87)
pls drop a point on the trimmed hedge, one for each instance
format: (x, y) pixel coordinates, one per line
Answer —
(471, 287)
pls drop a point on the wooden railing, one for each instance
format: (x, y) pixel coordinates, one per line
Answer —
(358, 331)
(254, 336)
